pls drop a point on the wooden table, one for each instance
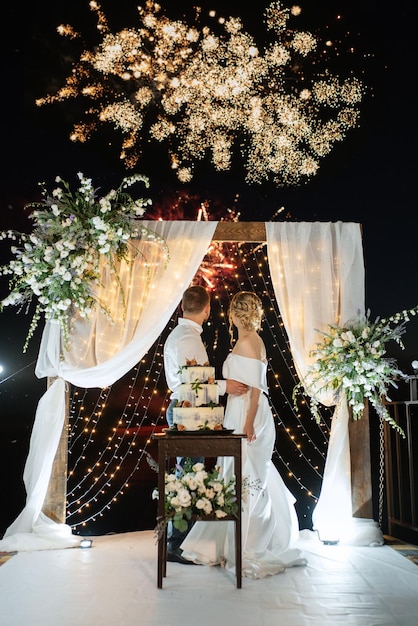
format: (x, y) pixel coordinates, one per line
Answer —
(208, 444)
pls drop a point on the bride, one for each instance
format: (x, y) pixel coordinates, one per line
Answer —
(270, 526)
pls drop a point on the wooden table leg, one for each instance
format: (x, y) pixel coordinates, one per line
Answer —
(162, 541)
(160, 572)
(238, 525)
(188, 445)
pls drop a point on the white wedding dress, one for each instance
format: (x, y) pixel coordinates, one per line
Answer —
(270, 526)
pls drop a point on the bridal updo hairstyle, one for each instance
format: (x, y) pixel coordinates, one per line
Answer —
(248, 310)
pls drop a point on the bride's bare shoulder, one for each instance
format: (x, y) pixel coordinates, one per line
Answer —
(251, 346)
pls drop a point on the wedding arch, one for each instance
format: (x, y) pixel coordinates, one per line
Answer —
(317, 271)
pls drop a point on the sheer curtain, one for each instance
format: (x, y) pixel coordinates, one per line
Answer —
(317, 271)
(141, 298)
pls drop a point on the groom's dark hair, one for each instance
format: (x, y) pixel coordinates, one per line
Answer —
(195, 299)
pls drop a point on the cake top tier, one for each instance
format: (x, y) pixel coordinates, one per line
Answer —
(197, 373)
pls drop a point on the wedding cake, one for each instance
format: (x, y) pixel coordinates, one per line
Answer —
(198, 405)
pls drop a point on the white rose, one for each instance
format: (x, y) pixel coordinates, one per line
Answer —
(201, 476)
(203, 504)
(184, 498)
(210, 493)
(220, 500)
(191, 482)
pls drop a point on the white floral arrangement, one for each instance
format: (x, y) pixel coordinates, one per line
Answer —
(194, 491)
(59, 261)
(351, 360)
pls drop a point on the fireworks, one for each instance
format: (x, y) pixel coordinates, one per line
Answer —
(219, 263)
(205, 93)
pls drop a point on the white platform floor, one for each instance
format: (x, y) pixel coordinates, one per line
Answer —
(114, 583)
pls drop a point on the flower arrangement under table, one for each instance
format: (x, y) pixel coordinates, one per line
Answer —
(194, 491)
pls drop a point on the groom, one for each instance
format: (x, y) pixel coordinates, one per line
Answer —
(184, 344)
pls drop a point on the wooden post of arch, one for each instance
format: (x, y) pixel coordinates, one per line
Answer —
(54, 505)
(361, 484)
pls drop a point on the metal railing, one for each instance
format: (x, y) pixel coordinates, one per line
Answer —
(401, 468)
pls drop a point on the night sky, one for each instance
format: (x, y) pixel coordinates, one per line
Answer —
(369, 178)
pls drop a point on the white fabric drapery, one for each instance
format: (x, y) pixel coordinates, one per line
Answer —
(101, 352)
(317, 271)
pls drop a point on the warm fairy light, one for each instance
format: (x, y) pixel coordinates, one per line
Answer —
(125, 415)
(205, 93)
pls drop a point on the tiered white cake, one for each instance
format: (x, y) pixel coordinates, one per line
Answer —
(198, 403)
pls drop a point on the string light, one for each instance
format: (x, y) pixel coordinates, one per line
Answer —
(125, 415)
(204, 91)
